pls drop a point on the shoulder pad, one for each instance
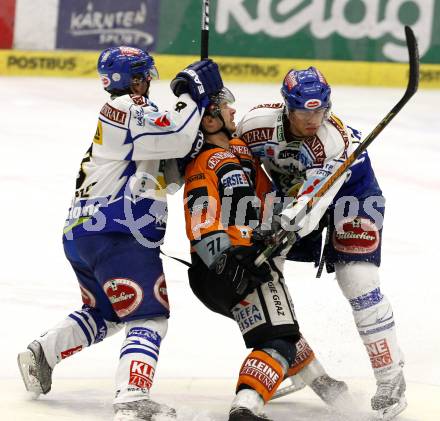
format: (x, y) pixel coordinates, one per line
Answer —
(270, 105)
(219, 157)
(239, 148)
(114, 112)
(340, 127)
(258, 125)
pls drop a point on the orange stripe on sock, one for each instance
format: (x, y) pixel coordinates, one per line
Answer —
(262, 373)
(304, 356)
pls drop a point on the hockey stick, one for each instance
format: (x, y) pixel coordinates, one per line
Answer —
(204, 36)
(282, 237)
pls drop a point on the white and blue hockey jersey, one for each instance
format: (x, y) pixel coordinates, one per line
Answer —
(298, 166)
(128, 170)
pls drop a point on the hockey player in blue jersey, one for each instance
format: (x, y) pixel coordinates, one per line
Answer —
(301, 142)
(116, 224)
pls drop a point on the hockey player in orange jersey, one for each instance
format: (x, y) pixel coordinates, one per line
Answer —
(225, 194)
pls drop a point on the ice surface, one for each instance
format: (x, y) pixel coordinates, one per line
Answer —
(46, 127)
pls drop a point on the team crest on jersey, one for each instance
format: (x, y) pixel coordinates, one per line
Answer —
(124, 294)
(160, 291)
(87, 297)
(356, 236)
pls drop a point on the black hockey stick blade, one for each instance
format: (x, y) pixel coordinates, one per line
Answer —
(284, 237)
(204, 36)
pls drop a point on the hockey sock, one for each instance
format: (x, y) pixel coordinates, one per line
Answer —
(304, 356)
(262, 373)
(79, 330)
(373, 315)
(378, 333)
(138, 359)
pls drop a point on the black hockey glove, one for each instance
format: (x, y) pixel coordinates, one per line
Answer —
(264, 233)
(200, 80)
(236, 266)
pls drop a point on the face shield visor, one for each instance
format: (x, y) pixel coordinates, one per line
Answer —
(225, 96)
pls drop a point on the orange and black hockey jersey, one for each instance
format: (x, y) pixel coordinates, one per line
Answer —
(224, 193)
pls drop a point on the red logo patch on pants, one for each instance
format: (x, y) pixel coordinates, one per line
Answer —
(379, 353)
(160, 291)
(124, 294)
(71, 351)
(141, 374)
(356, 236)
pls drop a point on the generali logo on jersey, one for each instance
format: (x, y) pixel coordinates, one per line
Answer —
(113, 114)
(259, 135)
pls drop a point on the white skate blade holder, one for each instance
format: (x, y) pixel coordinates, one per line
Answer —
(291, 385)
(26, 360)
(392, 411)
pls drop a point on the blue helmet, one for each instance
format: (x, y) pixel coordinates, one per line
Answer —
(118, 65)
(306, 89)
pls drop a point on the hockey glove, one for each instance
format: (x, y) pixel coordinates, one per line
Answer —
(200, 80)
(236, 266)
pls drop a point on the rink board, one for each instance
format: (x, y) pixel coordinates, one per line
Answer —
(234, 69)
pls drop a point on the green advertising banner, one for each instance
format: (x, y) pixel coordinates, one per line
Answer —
(359, 30)
(353, 42)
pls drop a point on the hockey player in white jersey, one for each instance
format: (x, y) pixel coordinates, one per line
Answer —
(116, 224)
(300, 143)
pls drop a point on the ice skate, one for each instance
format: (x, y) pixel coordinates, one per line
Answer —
(35, 370)
(142, 410)
(331, 391)
(389, 400)
(290, 385)
(245, 414)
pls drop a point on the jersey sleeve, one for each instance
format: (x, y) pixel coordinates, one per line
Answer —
(132, 128)
(257, 127)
